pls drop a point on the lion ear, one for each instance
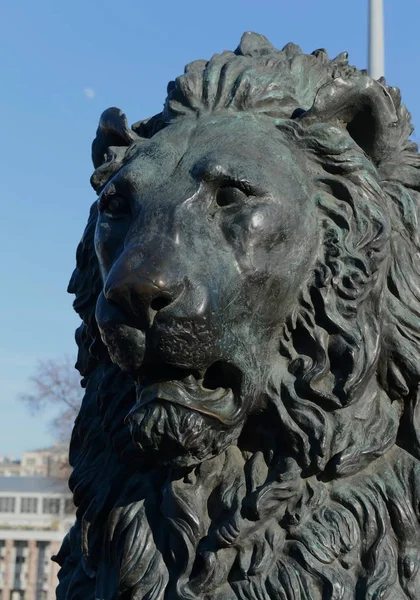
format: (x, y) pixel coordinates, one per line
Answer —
(369, 110)
(113, 137)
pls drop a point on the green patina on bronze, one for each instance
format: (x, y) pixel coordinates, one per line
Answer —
(249, 285)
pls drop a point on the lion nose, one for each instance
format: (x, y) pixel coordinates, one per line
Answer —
(139, 295)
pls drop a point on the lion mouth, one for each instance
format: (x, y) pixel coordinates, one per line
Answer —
(215, 392)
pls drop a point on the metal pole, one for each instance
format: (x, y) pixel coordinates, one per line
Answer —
(376, 39)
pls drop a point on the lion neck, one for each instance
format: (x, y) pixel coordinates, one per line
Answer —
(233, 525)
(244, 524)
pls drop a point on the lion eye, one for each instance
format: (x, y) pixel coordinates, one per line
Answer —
(114, 207)
(226, 196)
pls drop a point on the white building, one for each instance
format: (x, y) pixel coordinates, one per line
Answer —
(46, 462)
(35, 513)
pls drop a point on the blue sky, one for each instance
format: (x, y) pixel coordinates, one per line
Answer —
(61, 64)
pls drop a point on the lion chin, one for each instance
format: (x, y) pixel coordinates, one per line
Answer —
(175, 435)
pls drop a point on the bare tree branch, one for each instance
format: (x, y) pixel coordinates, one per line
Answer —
(56, 383)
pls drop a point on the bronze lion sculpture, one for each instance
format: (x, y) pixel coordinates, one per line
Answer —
(249, 286)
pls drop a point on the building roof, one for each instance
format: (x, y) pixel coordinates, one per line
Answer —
(37, 485)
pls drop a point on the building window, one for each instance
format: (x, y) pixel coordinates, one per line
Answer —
(20, 545)
(69, 507)
(28, 505)
(51, 506)
(7, 505)
(30, 462)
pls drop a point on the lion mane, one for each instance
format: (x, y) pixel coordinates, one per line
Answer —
(325, 504)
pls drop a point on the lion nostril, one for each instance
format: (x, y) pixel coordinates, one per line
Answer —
(160, 302)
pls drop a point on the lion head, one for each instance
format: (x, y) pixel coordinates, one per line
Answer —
(249, 284)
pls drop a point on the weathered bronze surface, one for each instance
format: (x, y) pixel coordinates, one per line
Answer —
(249, 285)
